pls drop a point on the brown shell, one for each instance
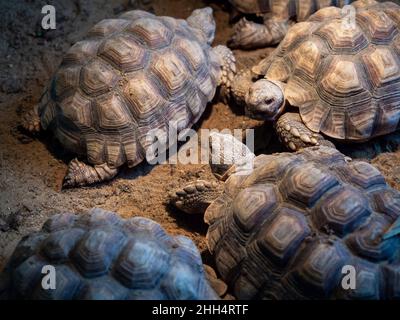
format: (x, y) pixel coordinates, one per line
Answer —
(129, 76)
(285, 8)
(344, 81)
(286, 230)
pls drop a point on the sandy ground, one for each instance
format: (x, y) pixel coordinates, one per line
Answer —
(31, 170)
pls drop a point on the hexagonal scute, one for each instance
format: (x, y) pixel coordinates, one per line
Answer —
(27, 247)
(97, 78)
(181, 283)
(81, 52)
(368, 242)
(153, 32)
(326, 12)
(382, 66)
(305, 183)
(295, 34)
(105, 288)
(365, 175)
(186, 251)
(124, 52)
(278, 70)
(142, 264)
(66, 80)
(147, 226)
(192, 51)
(307, 57)
(341, 78)
(271, 169)
(320, 269)
(112, 113)
(380, 27)
(254, 204)
(143, 96)
(107, 26)
(326, 156)
(59, 222)
(77, 109)
(206, 83)
(388, 202)
(59, 244)
(195, 102)
(98, 217)
(341, 39)
(136, 14)
(281, 238)
(342, 211)
(28, 275)
(96, 251)
(172, 73)
(392, 10)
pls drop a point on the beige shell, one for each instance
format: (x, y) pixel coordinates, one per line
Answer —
(285, 8)
(129, 76)
(286, 230)
(345, 81)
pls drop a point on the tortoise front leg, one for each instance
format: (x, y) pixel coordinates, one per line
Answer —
(296, 136)
(196, 197)
(250, 35)
(80, 174)
(30, 121)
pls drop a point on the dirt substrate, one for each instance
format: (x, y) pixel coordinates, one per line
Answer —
(31, 170)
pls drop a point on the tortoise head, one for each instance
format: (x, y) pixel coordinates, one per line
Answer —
(203, 20)
(265, 100)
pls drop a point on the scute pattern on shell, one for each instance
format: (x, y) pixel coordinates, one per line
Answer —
(101, 256)
(285, 8)
(129, 76)
(286, 230)
(344, 81)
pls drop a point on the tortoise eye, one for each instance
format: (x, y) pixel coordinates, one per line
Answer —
(269, 101)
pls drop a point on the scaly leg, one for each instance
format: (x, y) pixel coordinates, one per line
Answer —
(30, 121)
(250, 35)
(196, 196)
(80, 174)
(228, 65)
(296, 136)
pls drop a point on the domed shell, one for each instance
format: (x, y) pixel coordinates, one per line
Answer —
(344, 78)
(286, 230)
(129, 77)
(99, 256)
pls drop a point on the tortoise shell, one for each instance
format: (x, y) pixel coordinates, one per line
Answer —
(286, 230)
(99, 256)
(285, 8)
(130, 76)
(344, 80)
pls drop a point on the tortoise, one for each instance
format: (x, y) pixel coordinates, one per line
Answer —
(99, 256)
(277, 17)
(330, 78)
(289, 228)
(119, 91)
